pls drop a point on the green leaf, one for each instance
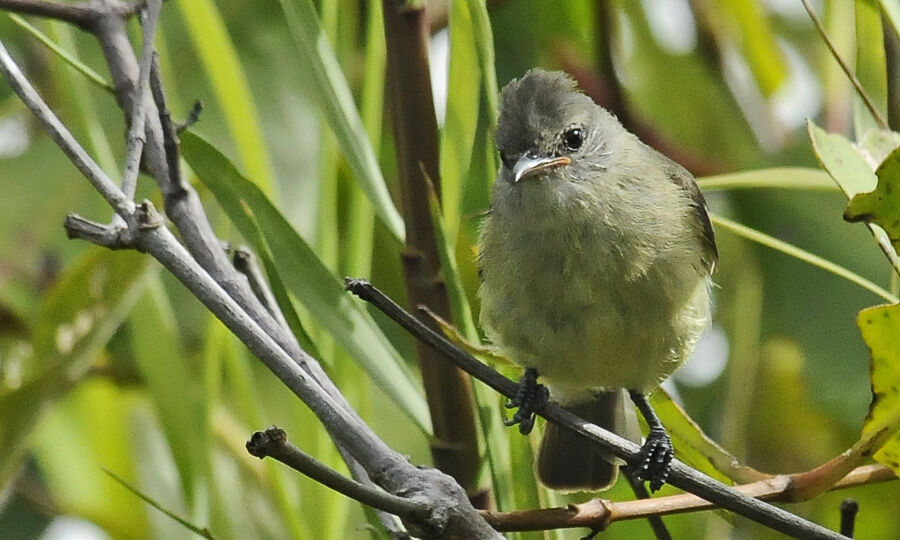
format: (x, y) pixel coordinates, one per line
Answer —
(799, 178)
(172, 378)
(461, 120)
(304, 275)
(336, 100)
(758, 43)
(693, 447)
(880, 328)
(882, 205)
(803, 255)
(842, 161)
(69, 58)
(220, 59)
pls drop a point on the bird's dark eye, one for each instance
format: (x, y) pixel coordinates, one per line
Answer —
(573, 138)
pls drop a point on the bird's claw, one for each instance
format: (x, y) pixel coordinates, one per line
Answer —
(655, 459)
(529, 400)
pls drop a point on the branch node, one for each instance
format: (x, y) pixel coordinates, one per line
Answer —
(147, 216)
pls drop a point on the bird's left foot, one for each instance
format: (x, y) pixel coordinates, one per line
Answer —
(530, 400)
(655, 459)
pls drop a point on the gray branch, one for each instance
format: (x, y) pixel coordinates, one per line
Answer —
(135, 138)
(273, 443)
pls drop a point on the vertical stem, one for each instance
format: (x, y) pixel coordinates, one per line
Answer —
(448, 390)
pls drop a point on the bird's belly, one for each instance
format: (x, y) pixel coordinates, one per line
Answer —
(596, 345)
(586, 330)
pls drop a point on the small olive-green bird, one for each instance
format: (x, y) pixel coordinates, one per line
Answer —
(595, 261)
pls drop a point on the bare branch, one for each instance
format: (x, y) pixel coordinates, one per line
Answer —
(136, 136)
(273, 443)
(109, 236)
(601, 513)
(83, 15)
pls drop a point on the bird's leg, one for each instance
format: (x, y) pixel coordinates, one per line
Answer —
(657, 451)
(530, 399)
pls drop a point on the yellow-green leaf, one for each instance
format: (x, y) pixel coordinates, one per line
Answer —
(882, 205)
(880, 328)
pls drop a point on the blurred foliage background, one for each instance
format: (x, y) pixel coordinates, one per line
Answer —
(106, 363)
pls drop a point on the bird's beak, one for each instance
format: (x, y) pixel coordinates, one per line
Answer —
(530, 165)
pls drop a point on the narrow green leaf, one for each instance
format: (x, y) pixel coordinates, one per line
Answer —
(871, 66)
(201, 531)
(220, 60)
(461, 120)
(336, 100)
(320, 292)
(171, 381)
(805, 256)
(357, 249)
(484, 46)
(799, 178)
(70, 59)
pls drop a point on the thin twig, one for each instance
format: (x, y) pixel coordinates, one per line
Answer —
(849, 509)
(136, 136)
(114, 236)
(245, 262)
(60, 134)
(170, 133)
(192, 118)
(601, 512)
(882, 123)
(681, 476)
(273, 443)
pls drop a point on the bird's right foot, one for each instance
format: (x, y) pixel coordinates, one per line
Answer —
(529, 400)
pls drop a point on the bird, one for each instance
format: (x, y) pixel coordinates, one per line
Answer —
(595, 260)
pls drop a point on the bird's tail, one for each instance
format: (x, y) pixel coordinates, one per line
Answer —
(569, 462)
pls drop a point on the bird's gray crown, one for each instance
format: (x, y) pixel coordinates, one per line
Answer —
(537, 108)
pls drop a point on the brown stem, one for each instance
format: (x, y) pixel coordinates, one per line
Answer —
(448, 390)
